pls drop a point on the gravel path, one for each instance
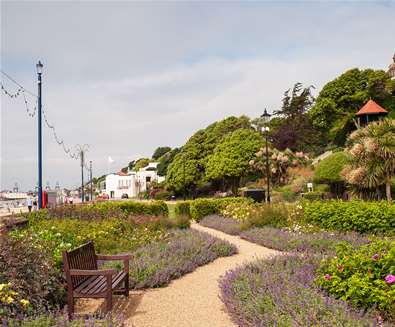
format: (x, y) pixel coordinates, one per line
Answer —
(193, 300)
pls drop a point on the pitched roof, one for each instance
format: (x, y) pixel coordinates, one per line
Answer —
(371, 107)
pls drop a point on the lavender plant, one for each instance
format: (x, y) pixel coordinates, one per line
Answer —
(281, 292)
(156, 264)
(291, 241)
(226, 225)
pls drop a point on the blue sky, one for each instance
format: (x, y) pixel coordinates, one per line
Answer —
(127, 77)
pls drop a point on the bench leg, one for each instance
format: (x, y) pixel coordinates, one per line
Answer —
(109, 295)
(127, 285)
(70, 305)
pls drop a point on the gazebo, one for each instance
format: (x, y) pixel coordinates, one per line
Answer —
(371, 111)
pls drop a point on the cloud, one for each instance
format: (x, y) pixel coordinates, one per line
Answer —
(128, 77)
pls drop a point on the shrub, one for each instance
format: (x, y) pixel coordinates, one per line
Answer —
(275, 215)
(328, 170)
(200, 208)
(294, 241)
(313, 196)
(27, 273)
(360, 216)
(183, 208)
(281, 292)
(360, 276)
(182, 222)
(226, 225)
(156, 264)
(162, 195)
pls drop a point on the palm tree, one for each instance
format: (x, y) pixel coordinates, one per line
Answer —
(372, 151)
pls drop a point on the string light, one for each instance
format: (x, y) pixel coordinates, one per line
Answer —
(73, 154)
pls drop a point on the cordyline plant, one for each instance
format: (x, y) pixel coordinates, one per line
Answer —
(279, 163)
(372, 151)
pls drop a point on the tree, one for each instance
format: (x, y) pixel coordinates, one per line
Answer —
(372, 151)
(340, 99)
(194, 155)
(329, 170)
(230, 159)
(295, 131)
(166, 160)
(160, 151)
(141, 163)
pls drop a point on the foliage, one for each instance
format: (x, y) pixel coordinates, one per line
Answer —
(227, 225)
(340, 99)
(372, 151)
(281, 292)
(360, 276)
(141, 163)
(165, 161)
(162, 195)
(294, 240)
(194, 155)
(28, 279)
(156, 264)
(182, 208)
(200, 208)
(160, 151)
(328, 170)
(313, 196)
(112, 235)
(295, 131)
(359, 216)
(230, 159)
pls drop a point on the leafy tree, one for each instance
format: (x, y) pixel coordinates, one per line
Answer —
(131, 164)
(166, 160)
(124, 170)
(329, 171)
(160, 151)
(141, 163)
(195, 153)
(372, 151)
(295, 131)
(341, 98)
(230, 159)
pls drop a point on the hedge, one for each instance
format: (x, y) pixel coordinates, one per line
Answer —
(154, 208)
(356, 215)
(203, 207)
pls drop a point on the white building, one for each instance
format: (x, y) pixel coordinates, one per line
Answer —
(132, 183)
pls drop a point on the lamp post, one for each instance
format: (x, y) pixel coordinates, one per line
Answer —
(39, 67)
(265, 130)
(90, 171)
(183, 176)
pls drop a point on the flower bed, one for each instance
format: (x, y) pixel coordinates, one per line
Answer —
(156, 264)
(317, 242)
(363, 276)
(226, 225)
(281, 292)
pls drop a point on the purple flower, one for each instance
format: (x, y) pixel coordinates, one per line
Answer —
(328, 277)
(390, 279)
(375, 257)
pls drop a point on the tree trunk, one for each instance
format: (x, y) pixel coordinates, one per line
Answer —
(388, 190)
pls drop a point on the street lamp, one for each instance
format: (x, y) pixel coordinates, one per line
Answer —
(39, 67)
(265, 130)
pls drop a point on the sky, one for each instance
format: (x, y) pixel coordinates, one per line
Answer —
(127, 77)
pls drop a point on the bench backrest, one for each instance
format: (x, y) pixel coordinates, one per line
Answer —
(83, 257)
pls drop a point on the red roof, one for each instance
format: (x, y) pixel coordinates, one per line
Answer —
(371, 107)
(121, 173)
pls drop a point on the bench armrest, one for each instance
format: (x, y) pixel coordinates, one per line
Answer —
(124, 257)
(103, 272)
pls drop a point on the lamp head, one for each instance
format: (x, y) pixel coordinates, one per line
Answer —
(39, 67)
(266, 116)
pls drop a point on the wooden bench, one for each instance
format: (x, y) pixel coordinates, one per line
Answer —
(85, 280)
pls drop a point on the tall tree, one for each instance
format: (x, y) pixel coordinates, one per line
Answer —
(341, 98)
(372, 151)
(295, 131)
(230, 159)
(160, 151)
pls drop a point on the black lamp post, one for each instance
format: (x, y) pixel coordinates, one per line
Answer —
(265, 130)
(39, 67)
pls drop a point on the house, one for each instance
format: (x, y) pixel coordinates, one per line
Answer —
(132, 183)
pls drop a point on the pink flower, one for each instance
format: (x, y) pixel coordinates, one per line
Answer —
(329, 277)
(390, 279)
(375, 257)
